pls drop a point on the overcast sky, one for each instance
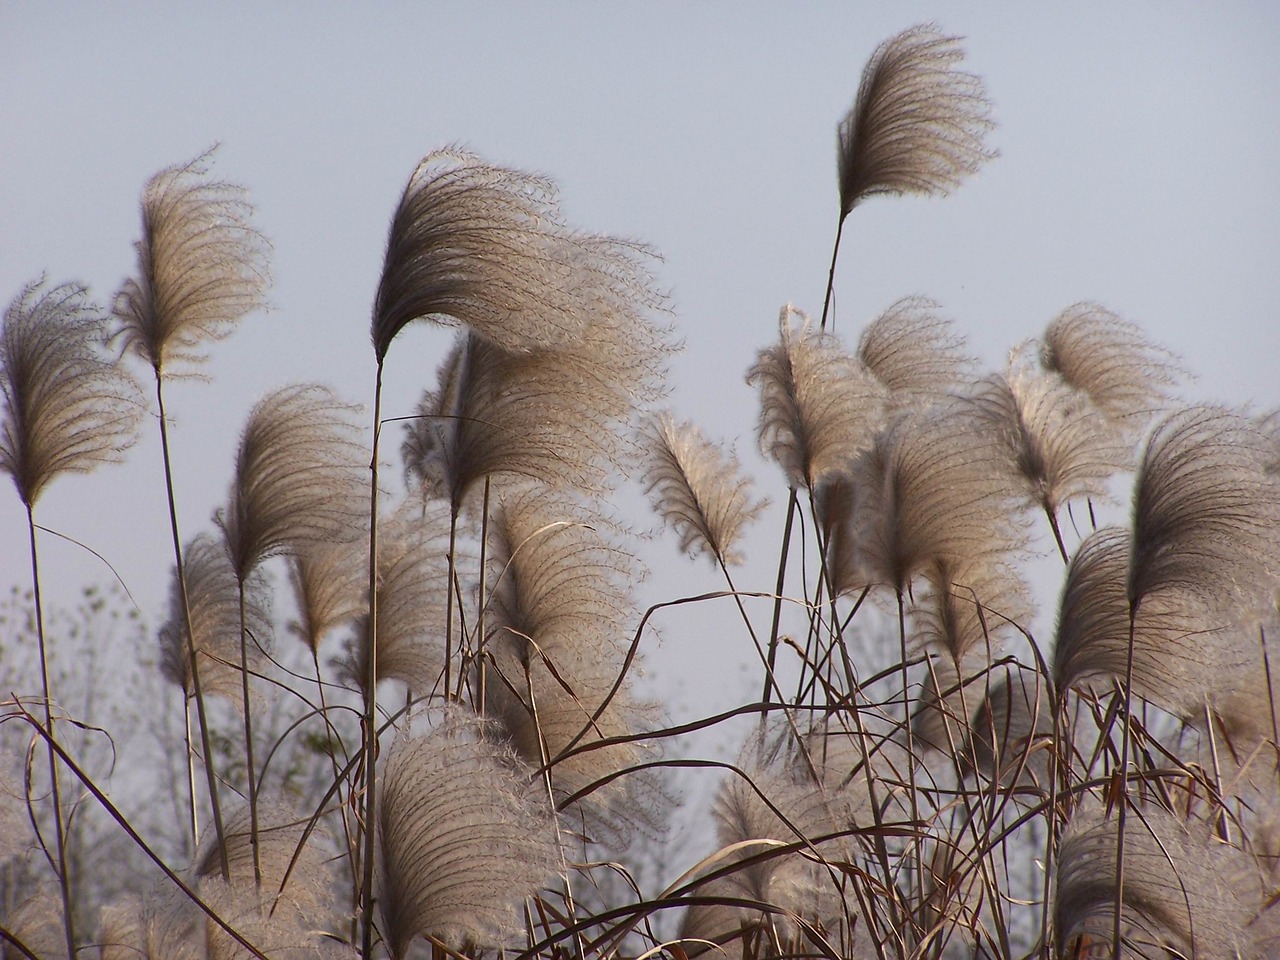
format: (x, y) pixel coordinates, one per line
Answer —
(1139, 157)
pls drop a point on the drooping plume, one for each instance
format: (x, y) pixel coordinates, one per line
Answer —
(412, 583)
(560, 618)
(298, 477)
(914, 352)
(488, 248)
(65, 405)
(213, 599)
(818, 407)
(918, 123)
(330, 587)
(202, 266)
(555, 415)
(1186, 893)
(1206, 511)
(1058, 444)
(933, 493)
(699, 491)
(1108, 358)
(464, 835)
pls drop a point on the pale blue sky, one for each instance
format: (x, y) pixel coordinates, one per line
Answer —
(1139, 156)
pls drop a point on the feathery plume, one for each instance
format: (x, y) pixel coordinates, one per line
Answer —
(559, 615)
(464, 837)
(969, 606)
(412, 585)
(487, 247)
(154, 926)
(202, 266)
(1108, 358)
(918, 123)
(330, 588)
(700, 493)
(1206, 511)
(818, 407)
(1058, 444)
(1185, 655)
(304, 892)
(555, 415)
(37, 921)
(914, 352)
(66, 406)
(767, 809)
(932, 493)
(298, 477)
(1011, 723)
(213, 597)
(1186, 893)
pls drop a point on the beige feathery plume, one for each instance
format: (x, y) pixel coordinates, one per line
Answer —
(1058, 444)
(1186, 654)
(36, 920)
(699, 491)
(64, 405)
(1206, 511)
(914, 352)
(330, 582)
(557, 415)
(298, 477)
(1126, 376)
(969, 607)
(1186, 893)
(157, 925)
(918, 123)
(932, 492)
(202, 266)
(299, 892)
(412, 584)
(559, 623)
(213, 597)
(464, 836)
(488, 248)
(818, 406)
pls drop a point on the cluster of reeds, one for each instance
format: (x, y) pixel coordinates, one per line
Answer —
(922, 777)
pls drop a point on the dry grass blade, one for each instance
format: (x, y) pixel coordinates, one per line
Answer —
(487, 247)
(914, 352)
(298, 477)
(699, 491)
(918, 123)
(213, 597)
(1186, 893)
(1095, 351)
(818, 407)
(202, 266)
(464, 837)
(66, 406)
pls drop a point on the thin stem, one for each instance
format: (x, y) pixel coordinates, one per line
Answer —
(193, 661)
(1123, 776)
(370, 748)
(64, 879)
(831, 278)
(248, 741)
(481, 666)
(772, 657)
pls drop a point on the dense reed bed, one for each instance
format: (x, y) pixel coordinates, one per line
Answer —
(394, 701)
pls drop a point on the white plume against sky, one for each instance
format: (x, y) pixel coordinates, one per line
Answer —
(1140, 147)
